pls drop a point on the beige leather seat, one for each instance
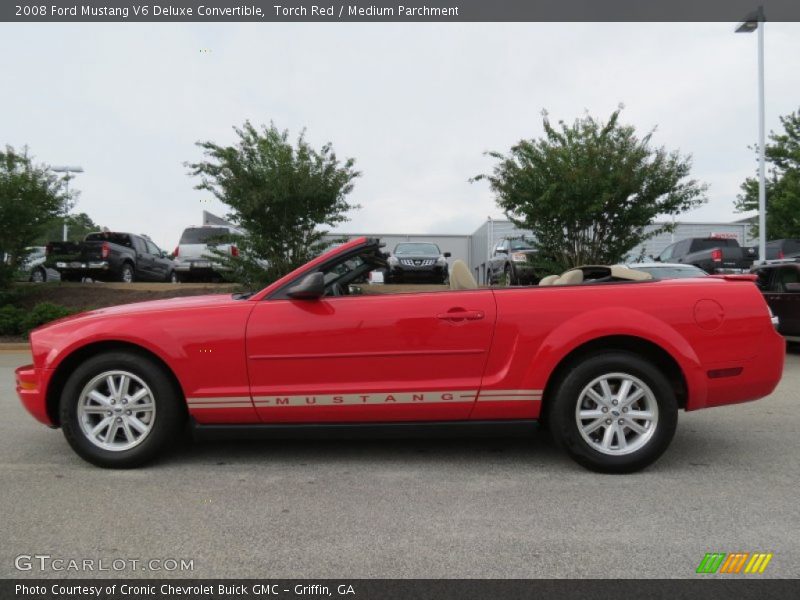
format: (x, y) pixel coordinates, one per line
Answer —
(549, 280)
(573, 277)
(622, 272)
(460, 277)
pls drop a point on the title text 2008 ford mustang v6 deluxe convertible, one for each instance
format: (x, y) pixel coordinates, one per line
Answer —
(605, 356)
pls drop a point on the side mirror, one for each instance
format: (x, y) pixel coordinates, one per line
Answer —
(792, 287)
(311, 287)
(163, 254)
(447, 255)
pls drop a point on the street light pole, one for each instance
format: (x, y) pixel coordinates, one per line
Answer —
(67, 177)
(755, 22)
(762, 183)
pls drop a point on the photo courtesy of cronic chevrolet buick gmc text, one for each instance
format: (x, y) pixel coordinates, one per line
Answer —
(605, 355)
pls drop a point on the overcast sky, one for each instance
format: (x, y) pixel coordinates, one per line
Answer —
(416, 104)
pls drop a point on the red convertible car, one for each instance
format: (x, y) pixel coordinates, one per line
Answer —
(604, 356)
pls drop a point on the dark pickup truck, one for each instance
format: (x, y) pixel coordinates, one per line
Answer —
(713, 255)
(111, 256)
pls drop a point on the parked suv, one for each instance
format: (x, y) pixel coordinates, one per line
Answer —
(511, 262)
(194, 259)
(416, 262)
(110, 256)
(786, 248)
(779, 281)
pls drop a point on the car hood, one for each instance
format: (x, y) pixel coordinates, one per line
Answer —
(148, 306)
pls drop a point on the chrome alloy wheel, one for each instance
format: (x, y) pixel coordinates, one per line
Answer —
(116, 410)
(617, 414)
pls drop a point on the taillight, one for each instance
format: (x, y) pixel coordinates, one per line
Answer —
(234, 251)
(48, 249)
(177, 251)
(781, 254)
(105, 250)
(716, 255)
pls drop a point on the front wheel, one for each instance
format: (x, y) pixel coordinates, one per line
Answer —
(120, 410)
(614, 413)
(38, 275)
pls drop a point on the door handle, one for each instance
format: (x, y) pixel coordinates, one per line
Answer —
(459, 314)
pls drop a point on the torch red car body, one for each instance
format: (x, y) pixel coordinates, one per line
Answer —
(460, 356)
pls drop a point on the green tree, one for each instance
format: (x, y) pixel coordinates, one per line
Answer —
(30, 197)
(78, 225)
(782, 182)
(588, 190)
(281, 194)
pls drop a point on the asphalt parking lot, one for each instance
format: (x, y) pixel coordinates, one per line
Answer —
(418, 508)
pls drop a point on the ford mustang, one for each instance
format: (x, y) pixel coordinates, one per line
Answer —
(603, 356)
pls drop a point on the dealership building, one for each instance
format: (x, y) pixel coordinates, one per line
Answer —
(476, 248)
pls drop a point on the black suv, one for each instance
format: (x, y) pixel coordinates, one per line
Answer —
(417, 262)
(778, 249)
(512, 262)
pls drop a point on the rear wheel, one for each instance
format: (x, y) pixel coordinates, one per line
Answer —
(126, 274)
(614, 413)
(120, 410)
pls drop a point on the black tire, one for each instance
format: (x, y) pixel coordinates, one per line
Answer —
(508, 274)
(126, 273)
(562, 420)
(168, 420)
(38, 275)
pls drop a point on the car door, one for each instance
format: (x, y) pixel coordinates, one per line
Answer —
(144, 266)
(384, 357)
(160, 267)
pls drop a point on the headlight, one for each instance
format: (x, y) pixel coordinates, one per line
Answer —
(441, 260)
(519, 257)
(392, 260)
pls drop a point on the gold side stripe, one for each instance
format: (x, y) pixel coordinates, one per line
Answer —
(218, 400)
(223, 405)
(511, 392)
(366, 399)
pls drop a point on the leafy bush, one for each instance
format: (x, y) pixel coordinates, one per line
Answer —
(11, 320)
(42, 313)
(18, 321)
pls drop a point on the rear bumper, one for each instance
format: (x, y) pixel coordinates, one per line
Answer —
(31, 391)
(744, 380)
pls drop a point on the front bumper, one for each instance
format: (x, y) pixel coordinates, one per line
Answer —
(414, 273)
(31, 391)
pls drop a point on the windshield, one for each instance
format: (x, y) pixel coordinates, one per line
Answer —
(417, 249)
(521, 245)
(672, 272)
(201, 235)
(123, 239)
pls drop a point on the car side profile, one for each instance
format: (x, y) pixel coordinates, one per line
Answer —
(779, 281)
(604, 356)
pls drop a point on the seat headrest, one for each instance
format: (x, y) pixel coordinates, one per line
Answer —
(572, 277)
(460, 277)
(549, 280)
